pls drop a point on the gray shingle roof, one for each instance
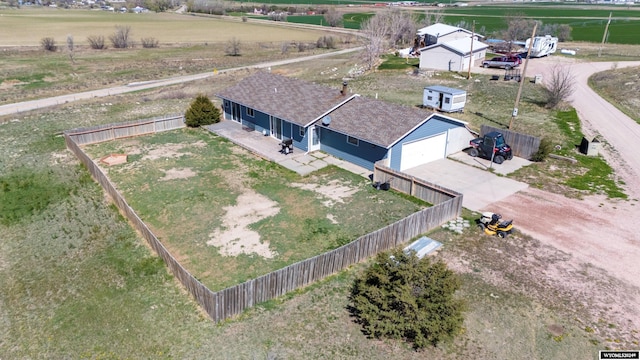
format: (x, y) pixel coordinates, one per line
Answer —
(376, 121)
(300, 102)
(290, 99)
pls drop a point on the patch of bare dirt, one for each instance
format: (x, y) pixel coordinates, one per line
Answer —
(168, 151)
(174, 173)
(235, 237)
(332, 192)
(588, 252)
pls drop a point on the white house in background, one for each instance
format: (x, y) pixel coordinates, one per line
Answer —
(453, 55)
(438, 33)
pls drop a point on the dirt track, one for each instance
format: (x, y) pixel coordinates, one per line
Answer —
(594, 231)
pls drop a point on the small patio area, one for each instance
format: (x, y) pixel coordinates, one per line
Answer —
(269, 148)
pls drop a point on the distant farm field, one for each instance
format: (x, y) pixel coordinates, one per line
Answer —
(167, 28)
(588, 24)
(583, 29)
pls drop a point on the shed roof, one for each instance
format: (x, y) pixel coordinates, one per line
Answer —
(459, 46)
(444, 89)
(287, 98)
(439, 29)
(376, 121)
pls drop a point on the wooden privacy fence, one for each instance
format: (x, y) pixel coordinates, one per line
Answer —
(233, 300)
(424, 190)
(109, 132)
(522, 145)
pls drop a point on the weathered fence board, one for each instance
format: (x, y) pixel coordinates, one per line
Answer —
(522, 145)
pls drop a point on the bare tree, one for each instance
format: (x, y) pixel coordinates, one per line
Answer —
(559, 85)
(326, 42)
(333, 18)
(70, 48)
(402, 27)
(96, 42)
(430, 18)
(233, 47)
(518, 28)
(284, 48)
(149, 42)
(375, 29)
(121, 39)
(561, 31)
(48, 43)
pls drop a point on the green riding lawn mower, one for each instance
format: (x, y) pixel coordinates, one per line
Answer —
(491, 225)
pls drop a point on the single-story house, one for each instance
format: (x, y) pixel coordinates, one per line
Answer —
(439, 33)
(453, 55)
(345, 125)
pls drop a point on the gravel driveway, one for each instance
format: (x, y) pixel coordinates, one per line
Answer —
(594, 231)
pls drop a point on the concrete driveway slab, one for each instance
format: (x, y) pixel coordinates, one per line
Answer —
(480, 188)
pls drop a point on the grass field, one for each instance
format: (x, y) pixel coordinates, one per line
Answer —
(185, 211)
(31, 73)
(167, 28)
(78, 283)
(609, 83)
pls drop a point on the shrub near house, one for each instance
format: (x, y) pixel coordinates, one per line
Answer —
(202, 112)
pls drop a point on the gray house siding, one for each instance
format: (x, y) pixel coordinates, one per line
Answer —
(301, 142)
(259, 121)
(364, 154)
(435, 125)
(262, 122)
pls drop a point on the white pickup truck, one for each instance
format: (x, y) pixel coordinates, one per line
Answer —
(506, 62)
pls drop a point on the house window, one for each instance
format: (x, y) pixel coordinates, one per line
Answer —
(250, 112)
(447, 100)
(353, 141)
(301, 131)
(429, 98)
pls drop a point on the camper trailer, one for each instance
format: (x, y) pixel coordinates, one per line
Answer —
(444, 98)
(542, 45)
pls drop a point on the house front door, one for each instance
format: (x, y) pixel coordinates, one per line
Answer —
(276, 128)
(235, 112)
(314, 138)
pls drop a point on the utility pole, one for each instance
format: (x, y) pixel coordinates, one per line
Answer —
(473, 32)
(514, 114)
(604, 36)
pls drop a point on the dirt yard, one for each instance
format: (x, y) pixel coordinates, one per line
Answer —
(595, 232)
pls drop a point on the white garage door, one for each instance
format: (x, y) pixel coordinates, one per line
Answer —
(423, 151)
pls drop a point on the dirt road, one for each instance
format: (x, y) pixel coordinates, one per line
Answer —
(598, 117)
(16, 108)
(594, 231)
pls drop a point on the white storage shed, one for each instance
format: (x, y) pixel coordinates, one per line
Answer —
(444, 98)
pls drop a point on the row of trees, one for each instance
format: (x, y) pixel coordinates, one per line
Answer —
(120, 39)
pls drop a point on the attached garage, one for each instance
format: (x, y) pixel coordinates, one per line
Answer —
(422, 151)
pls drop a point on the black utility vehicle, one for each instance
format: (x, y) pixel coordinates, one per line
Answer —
(492, 146)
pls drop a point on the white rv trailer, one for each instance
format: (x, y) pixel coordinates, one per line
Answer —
(542, 45)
